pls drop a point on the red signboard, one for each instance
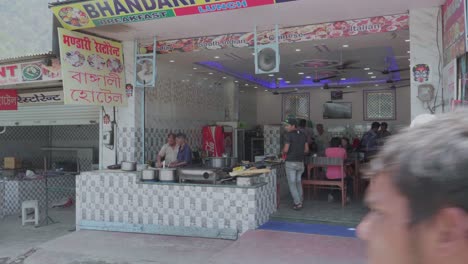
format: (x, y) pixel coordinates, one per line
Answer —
(453, 14)
(8, 99)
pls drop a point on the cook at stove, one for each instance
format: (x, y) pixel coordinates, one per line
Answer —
(169, 151)
(184, 156)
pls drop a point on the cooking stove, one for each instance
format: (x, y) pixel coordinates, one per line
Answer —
(203, 175)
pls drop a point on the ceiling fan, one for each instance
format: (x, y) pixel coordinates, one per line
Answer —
(346, 65)
(400, 86)
(395, 81)
(328, 87)
(317, 79)
(389, 71)
(285, 92)
(276, 92)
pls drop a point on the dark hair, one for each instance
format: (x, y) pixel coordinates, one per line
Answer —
(302, 123)
(335, 142)
(181, 135)
(428, 165)
(375, 125)
(347, 140)
(384, 124)
(171, 135)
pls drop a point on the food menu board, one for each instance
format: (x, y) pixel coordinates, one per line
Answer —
(96, 13)
(287, 35)
(92, 70)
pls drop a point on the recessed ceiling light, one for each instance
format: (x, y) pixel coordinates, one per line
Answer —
(255, 87)
(271, 75)
(216, 57)
(376, 85)
(287, 82)
(370, 73)
(407, 40)
(343, 79)
(308, 77)
(298, 50)
(172, 61)
(366, 69)
(373, 77)
(409, 59)
(280, 78)
(296, 89)
(236, 81)
(409, 52)
(301, 73)
(253, 53)
(195, 68)
(266, 90)
(246, 84)
(224, 77)
(345, 46)
(210, 73)
(349, 86)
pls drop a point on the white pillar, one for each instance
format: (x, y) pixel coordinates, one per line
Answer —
(426, 48)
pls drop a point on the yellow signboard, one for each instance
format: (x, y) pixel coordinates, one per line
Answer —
(96, 13)
(92, 70)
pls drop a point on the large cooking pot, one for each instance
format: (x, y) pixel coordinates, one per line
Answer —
(167, 174)
(216, 162)
(128, 166)
(148, 175)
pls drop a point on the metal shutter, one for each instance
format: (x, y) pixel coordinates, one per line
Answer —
(50, 115)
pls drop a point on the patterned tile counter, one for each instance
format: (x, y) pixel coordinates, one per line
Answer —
(117, 201)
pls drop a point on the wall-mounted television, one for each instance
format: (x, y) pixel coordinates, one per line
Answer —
(334, 110)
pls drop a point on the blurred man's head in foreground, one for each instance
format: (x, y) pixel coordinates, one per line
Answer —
(418, 196)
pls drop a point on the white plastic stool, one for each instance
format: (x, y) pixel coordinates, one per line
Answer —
(31, 204)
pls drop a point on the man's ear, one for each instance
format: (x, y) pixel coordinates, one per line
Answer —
(451, 225)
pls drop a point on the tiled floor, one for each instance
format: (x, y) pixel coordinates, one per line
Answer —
(260, 246)
(322, 211)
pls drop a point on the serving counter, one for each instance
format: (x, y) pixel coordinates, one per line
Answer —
(119, 201)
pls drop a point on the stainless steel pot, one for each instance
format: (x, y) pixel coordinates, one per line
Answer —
(148, 175)
(216, 162)
(128, 166)
(232, 162)
(167, 174)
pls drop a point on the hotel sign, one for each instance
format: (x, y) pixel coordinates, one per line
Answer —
(96, 13)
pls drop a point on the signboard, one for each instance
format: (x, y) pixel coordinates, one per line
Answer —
(40, 98)
(97, 13)
(450, 82)
(338, 29)
(453, 15)
(35, 71)
(8, 100)
(92, 70)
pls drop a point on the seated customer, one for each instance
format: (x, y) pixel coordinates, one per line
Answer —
(184, 157)
(334, 172)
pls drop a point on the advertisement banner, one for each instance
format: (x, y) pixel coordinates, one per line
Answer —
(450, 82)
(97, 13)
(40, 98)
(27, 72)
(92, 70)
(8, 100)
(287, 35)
(454, 37)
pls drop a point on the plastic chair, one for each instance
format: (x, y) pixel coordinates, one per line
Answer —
(31, 204)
